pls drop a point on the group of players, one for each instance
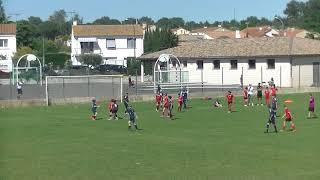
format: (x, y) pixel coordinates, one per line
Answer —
(112, 107)
(248, 94)
(165, 104)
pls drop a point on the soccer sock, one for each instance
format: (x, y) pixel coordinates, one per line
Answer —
(293, 127)
(275, 128)
(136, 126)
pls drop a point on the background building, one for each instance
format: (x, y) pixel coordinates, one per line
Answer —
(292, 62)
(115, 43)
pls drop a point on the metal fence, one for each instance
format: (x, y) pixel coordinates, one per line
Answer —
(59, 88)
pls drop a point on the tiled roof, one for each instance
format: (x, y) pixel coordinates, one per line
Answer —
(217, 32)
(244, 47)
(8, 29)
(107, 30)
(256, 31)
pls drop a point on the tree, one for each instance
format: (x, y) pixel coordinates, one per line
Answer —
(105, 20)
(146, 20)
(295, 13)
(3, 16)
(159, 40)
(91, 59)
(58, 19)
(311, 15)
(25, 33)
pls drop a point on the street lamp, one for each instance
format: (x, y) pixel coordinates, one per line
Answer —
(278, 18)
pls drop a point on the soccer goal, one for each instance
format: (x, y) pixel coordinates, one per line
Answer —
(168, 73)
(72, 89)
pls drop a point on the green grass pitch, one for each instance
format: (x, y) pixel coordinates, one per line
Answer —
(61, 142)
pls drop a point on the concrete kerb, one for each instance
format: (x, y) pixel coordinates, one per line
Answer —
(138, 98)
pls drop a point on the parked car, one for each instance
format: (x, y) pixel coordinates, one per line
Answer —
(112, 68)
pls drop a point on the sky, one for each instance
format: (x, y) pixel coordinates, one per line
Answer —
(196, 10)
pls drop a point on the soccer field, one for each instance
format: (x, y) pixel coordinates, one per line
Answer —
(61, 142)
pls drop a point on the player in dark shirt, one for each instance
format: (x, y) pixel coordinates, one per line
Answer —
(170, 108)
(271, 120)
(114, 110)
(132, 118)
(184, 94)
(94, 108)
(126, 102)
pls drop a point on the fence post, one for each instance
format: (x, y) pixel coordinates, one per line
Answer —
(241, 78)
(121, 89)
(261, 74)
(222, 79)
(10, 85)
(63, 88)
(299, 75)
(112, 83)
(47, 91)
(280, 76)
(136, 82)
(88, 86)
(202, 81)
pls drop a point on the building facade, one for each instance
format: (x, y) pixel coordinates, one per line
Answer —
(8, 46)
(291, 62)
(115, 43)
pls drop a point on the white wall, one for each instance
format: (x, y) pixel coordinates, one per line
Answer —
(302, 71)
(232, 76)
(12, 46)
(116, 56)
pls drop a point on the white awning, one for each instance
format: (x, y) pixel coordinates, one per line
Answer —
(87, 39)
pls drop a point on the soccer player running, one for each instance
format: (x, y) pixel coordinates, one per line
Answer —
(114, 110)
(126, 102)
(267, 96)
(170, 108)
(110, 108)
(180, 101)
(271, 120)
(94, 108)
(158, 101)
(230, 101)
(132, 118)
(274, 90)
(288, 118)
(311, 107)
(165, 105)
(245, 96)
(185, 97)
(250, 94)
(259, 94)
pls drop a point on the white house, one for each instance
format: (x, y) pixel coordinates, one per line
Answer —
(216, 33)
(180, 31)
(292, 62)
(115, 43)
(263, 31)
(8, 46)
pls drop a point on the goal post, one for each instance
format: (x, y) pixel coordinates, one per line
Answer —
(70, 89)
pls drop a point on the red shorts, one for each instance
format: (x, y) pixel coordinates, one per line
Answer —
(166, 106)
(229, 102)
(288, 119)
(158, 103)
(180, 103)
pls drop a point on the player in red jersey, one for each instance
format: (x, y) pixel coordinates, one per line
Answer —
(110, 105)
(180, 101)
(229, 100)
(165, 104)
(267, 96)
(245, 96)
(288, 118)
(158, 101)
(274, 91)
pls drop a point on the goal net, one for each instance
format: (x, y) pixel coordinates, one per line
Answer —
(73, 89)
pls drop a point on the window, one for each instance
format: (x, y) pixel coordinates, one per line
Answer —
(3, 42)
(111, 44)
(86, 47)
(174, 63)
(252, 64)
(234, 64)
(131, 43)
(271, 63)
(185, 64)
(200, 64)
(216, 64)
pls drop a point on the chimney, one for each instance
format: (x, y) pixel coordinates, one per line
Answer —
(238, 34)
(75, 23)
